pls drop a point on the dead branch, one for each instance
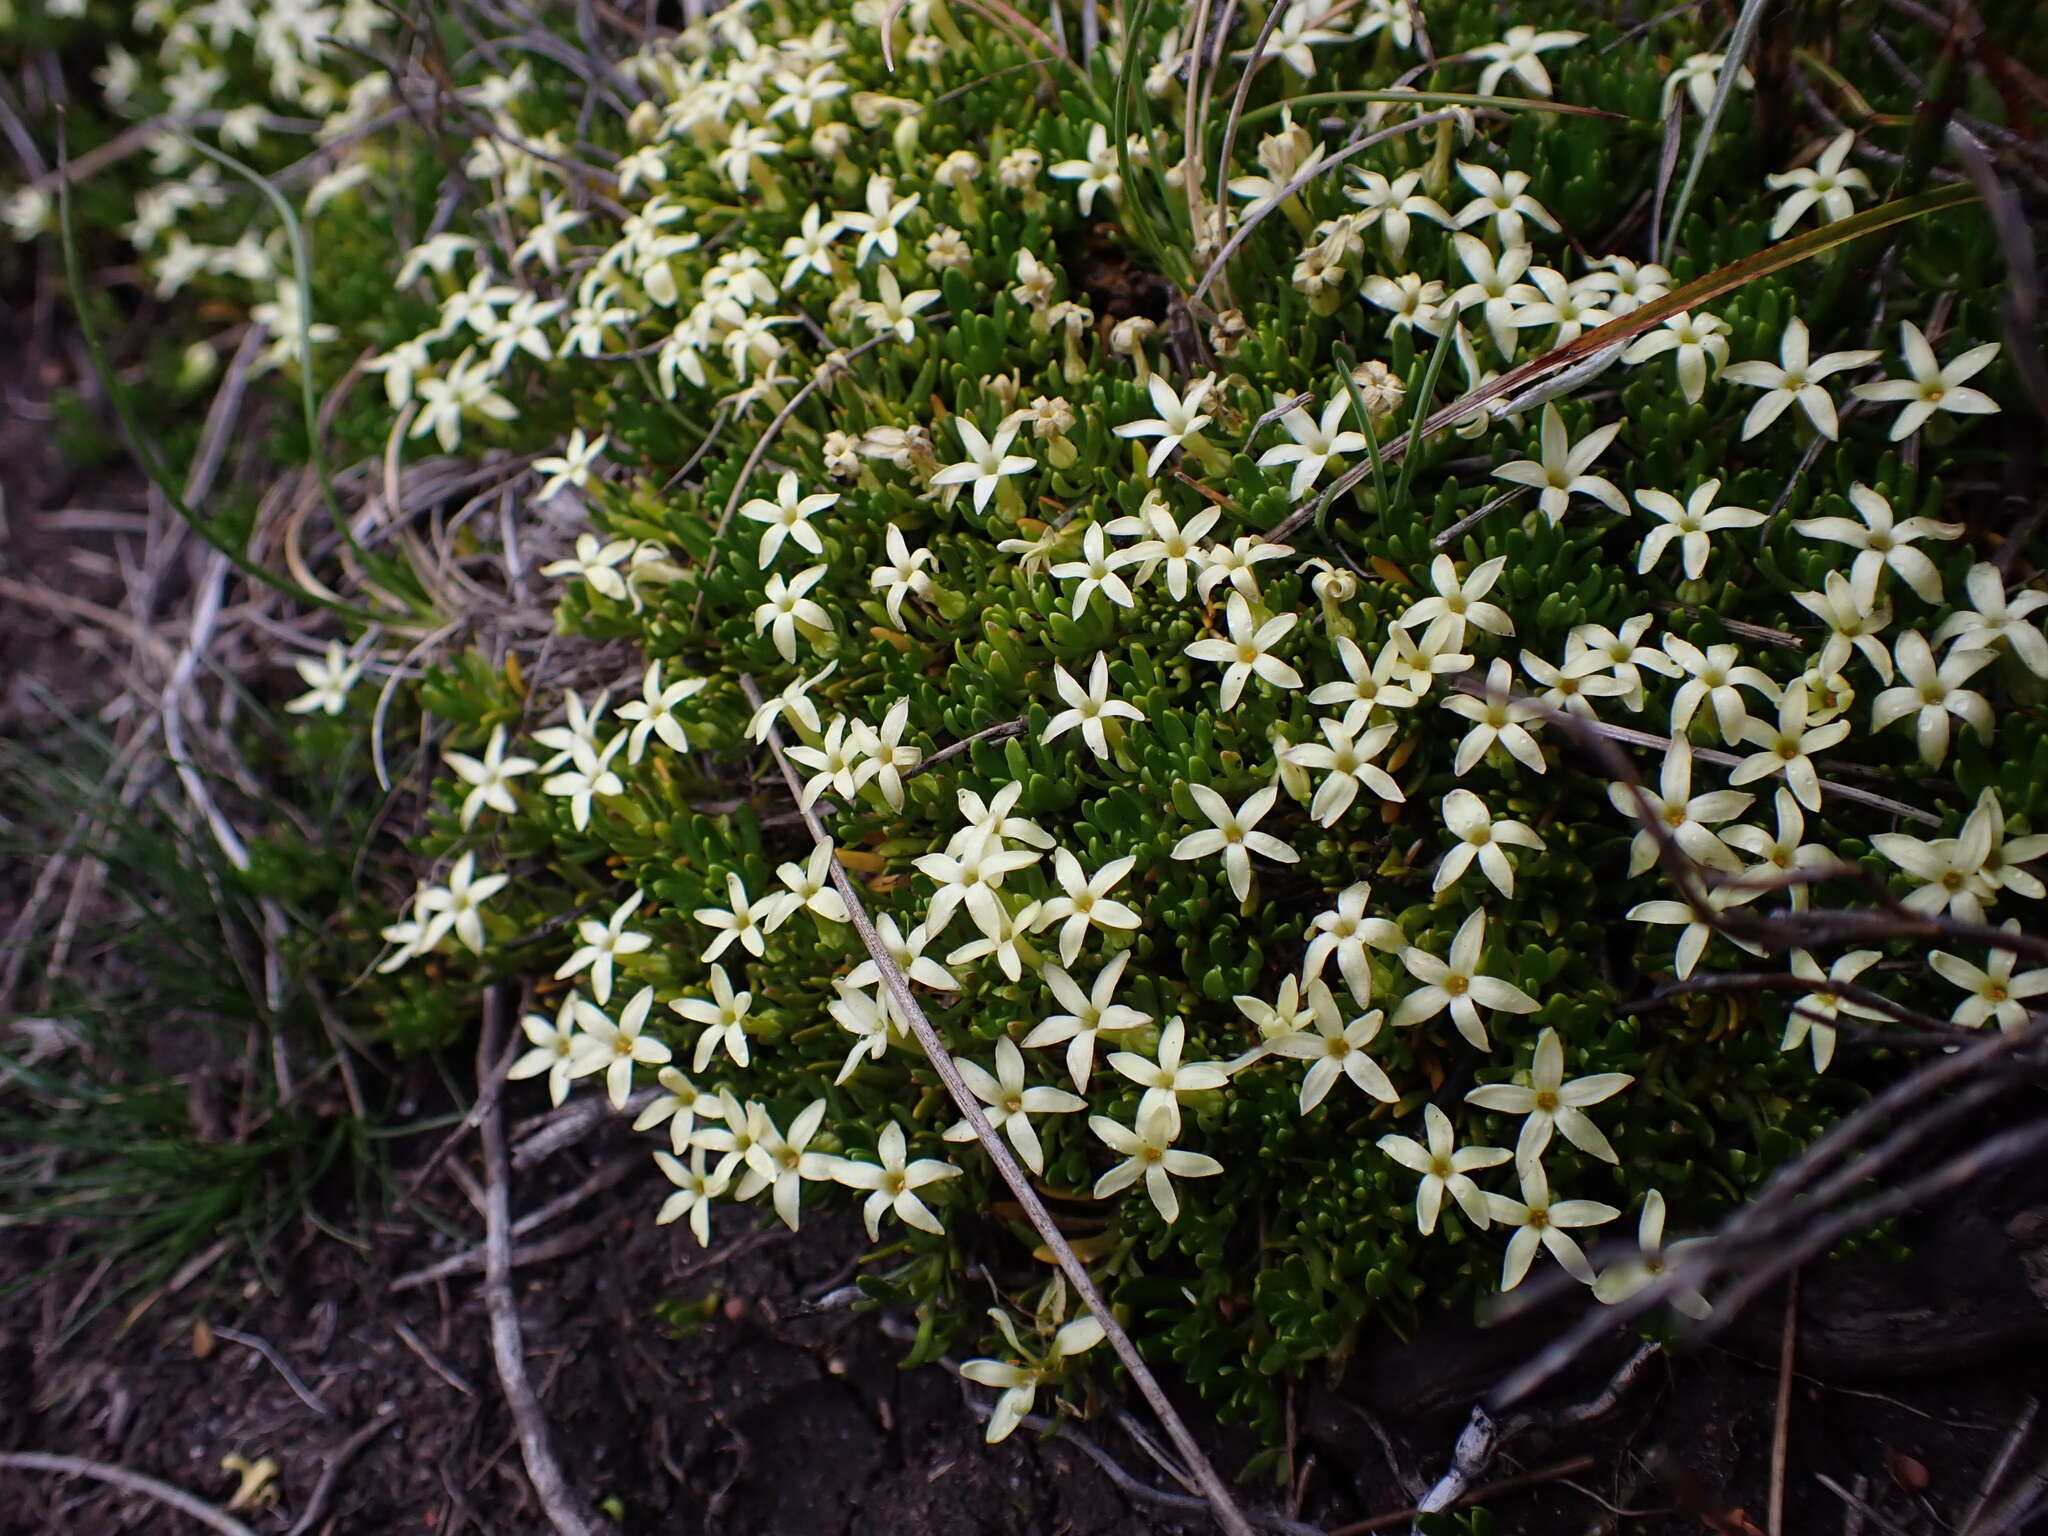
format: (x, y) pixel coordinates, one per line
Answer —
(508, 1347)
(1483, 1436)
(134, 1482)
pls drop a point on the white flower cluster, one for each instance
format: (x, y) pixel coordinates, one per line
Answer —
(775, 338)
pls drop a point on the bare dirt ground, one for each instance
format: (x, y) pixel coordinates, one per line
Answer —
(736, 1390)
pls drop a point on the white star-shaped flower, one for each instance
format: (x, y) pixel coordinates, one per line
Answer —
(1688, 523)
(1346, 764)
(1541, 1221)
(1096, 571)
(1993, 620)
(1334, 1049)
(1457, 603)
(1483, 838)
(328, 680)
(1088, 708)
(1446, 1169)
(988, 460)
(1795, 379)
(1148, 1153)
(1696, 342)
(1235, 835)
(1550, 1103)
(1009, 1105)
(1458, 986)
(1089, 1014)
(1932, 387)
(1179, 421)
(1560, 472)
(1248, 651)
(1623, 1280)
(1519, 53)
(1994, 992)
(785, 611)
(1315, 444)
(489, 777)
(892, 1182)
(1824, 184)
(1882, 540)
(1497, 716)
(787, 517)
(1931, 693)
(1167, 1077)
(1084, 902)
(604, 943)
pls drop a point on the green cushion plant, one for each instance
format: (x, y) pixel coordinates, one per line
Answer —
(926, 383)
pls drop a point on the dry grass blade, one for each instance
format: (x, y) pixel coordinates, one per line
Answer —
(1736, 274)
(1013, 1174)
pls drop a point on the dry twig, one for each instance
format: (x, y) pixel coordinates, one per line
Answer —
(263, 1347)
(134, 1482)
(507, 1346)
(1781, 1431)
(323, 1491)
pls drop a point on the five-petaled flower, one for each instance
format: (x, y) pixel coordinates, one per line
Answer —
(615, 1046)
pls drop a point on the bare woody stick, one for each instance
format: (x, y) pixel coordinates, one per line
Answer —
(1227, 1514)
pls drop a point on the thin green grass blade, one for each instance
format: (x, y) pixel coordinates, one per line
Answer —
(138, 440)
(1347, 360)
(393, 575)
(1724, 87)
(1409, 457)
